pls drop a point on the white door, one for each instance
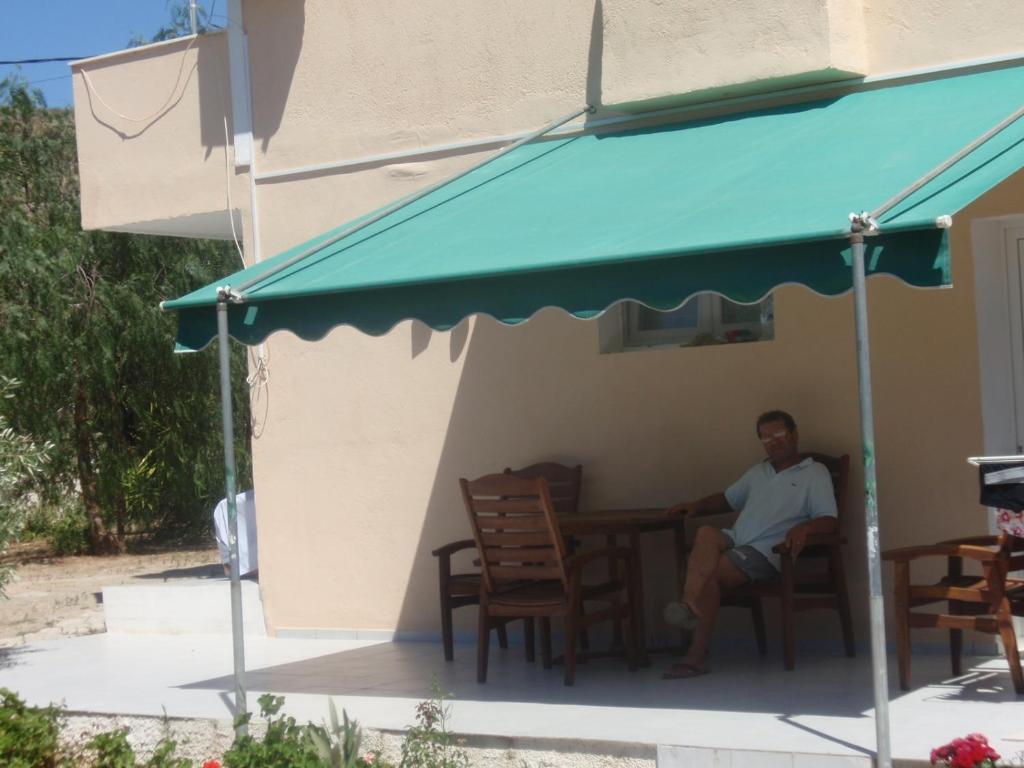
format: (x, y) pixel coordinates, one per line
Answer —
(1014, 265)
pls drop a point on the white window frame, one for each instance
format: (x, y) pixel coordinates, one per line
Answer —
(619, 329)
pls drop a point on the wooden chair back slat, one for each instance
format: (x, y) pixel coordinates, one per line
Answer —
(503, 509)
(563, 483)
(507, 505)
(499, 522)
(509, 555)
(505, 539)
(500, 573)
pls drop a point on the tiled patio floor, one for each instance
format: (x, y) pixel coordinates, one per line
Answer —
(747, 703)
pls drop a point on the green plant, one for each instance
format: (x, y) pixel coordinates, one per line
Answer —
(429, 743)
(68, 532)
(164, 756)
(286, 744)
(112, 750)
(28, 735)
(22, 462)
(338, 743)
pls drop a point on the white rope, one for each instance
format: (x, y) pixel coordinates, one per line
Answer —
(163, 107)
(227, 187)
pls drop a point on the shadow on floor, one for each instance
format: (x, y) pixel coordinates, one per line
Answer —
(9, 657)
(821, 685)
(211, 571)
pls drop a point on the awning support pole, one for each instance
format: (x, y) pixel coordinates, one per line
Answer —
(880, 677)
(228, 427)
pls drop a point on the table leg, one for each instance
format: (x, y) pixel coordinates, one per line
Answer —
(679, 541)
(615, 573)
(640, 631)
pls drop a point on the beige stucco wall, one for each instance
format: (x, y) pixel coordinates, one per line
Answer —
(151, 139)
(656, 54)
(363, 439)
(906, 34)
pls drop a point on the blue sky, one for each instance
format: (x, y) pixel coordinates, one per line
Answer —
(33, 29)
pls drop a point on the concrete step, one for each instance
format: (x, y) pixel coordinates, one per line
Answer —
(190, 607)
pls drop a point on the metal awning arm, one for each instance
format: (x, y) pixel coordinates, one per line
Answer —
(899, 197)
(388, 210)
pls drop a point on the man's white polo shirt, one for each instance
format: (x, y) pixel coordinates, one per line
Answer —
(773, 502)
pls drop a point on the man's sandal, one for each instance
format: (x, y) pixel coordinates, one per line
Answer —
(683, 670)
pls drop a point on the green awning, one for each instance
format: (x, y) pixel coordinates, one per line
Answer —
(736, 204)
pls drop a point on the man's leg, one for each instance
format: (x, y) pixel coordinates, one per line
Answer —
(708, 546)
(708, 601)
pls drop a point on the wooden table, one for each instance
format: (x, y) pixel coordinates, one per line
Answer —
(630, 523)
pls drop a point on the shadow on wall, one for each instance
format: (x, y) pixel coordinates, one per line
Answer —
(275, 42)
(541, 391)
(169, 71)
(595, 56)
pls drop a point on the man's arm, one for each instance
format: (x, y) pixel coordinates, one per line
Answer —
(822, 509)
(797, 536)
(709, 505)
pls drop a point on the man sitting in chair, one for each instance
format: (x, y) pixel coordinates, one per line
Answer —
(782, 498)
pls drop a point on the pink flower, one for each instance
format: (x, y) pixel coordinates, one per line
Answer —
(370, 758)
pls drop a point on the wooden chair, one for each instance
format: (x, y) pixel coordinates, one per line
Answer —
(985, 603)
(462, 589)
(528, 574)
(564, 485)
(799, 589)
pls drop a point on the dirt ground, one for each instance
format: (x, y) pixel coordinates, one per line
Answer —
(49, 597)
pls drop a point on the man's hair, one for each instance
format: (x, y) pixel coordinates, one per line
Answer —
(768, 416)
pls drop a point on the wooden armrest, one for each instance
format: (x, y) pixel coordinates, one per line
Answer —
(814, 540)
(575, 562)
(944, 549)
(450, 549)
(980, 541)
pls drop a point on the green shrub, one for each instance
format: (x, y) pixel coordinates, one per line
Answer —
(285, 745)
(69, 533)
(429, 743)
(28, 735)
(112, 750)
(338, 743)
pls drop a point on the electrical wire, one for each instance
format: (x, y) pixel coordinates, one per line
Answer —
(50, 60)
(49, 79)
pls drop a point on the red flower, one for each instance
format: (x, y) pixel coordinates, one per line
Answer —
(969, 752)
(211, 764)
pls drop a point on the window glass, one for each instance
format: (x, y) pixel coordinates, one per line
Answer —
(704, 319)
(740, 313)
(687, 316)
